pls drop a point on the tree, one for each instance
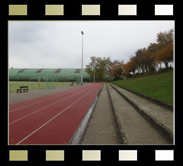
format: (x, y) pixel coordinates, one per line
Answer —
(90, 66)
(130, 67)
(165, 47)
(140, 60)
(165, 54)
(100, 66)
(165, 37)
(116, 69)
(151, 57)
(148, 59)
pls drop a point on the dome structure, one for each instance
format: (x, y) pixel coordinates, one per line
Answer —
(51, 74)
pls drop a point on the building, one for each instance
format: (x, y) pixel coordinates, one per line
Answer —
(50, 74)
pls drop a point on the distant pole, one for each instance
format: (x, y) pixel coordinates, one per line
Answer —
(39, 82)
(82, 60)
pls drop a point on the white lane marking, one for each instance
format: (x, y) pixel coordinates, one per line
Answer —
(43, 108)
(43, 100)
(52, 118)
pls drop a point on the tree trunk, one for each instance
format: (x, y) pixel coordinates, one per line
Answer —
(166, 64)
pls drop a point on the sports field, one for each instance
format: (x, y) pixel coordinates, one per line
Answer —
(14, 85)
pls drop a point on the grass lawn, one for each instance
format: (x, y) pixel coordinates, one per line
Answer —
(158, 86)
(13, 85)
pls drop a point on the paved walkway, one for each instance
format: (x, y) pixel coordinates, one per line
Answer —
(102, 128)
(136, 130)
(161, 115)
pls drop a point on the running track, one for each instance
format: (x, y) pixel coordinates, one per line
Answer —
(50, 119)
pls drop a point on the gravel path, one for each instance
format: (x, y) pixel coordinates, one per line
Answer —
(102, 128)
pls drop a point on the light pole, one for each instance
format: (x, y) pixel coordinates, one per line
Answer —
(82, 60)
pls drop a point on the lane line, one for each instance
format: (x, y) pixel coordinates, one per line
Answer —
(44, 100)
(53, 118)
(43, 108)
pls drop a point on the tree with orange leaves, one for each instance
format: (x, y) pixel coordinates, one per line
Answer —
(130, 67)
(165, 45)
(116, 69)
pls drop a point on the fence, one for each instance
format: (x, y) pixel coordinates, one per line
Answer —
(13, 86)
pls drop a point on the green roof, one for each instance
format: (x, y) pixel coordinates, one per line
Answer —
(52, 73)
(56, 74)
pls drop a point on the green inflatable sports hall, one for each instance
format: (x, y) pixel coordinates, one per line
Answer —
(50, 74)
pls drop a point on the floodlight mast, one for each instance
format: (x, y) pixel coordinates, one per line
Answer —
(82, 60)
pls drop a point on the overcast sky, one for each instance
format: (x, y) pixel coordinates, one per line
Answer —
(58, 44)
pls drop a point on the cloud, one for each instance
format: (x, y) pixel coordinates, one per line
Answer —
(52, 44)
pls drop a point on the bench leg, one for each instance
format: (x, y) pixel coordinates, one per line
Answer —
(19, 91)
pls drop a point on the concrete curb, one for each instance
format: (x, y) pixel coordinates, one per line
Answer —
(122, 133)
(158, 125)
(163, 104)
(81, 130)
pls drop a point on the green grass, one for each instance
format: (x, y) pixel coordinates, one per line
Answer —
(13, 85)
(158, 86)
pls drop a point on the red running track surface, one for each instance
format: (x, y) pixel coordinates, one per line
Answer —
(50, 119)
